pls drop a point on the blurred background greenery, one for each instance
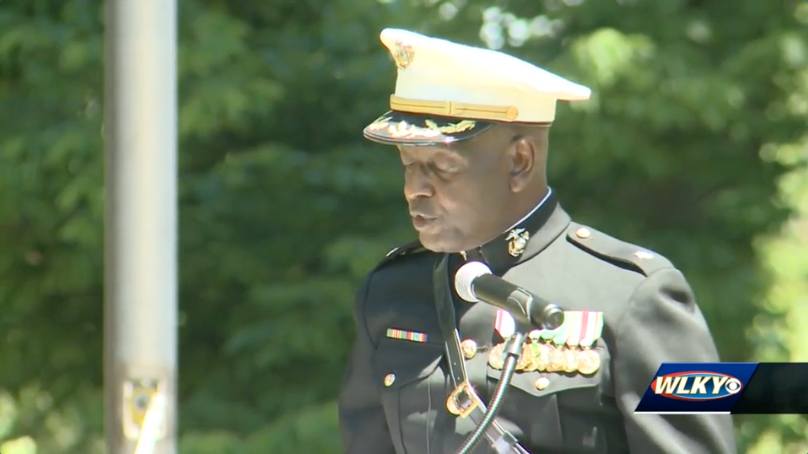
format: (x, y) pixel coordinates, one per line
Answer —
(694, 145)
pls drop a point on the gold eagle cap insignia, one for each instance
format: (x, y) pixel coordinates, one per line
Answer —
(402, 54)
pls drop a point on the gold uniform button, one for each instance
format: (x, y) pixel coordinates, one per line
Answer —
(469, 348)
(583, 233)
(389, 379)
(542, 383)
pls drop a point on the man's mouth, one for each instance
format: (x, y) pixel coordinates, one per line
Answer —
(421, 222)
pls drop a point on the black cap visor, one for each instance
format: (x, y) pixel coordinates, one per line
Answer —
(400, 128)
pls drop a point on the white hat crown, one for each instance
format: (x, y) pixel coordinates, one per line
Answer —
(443, 78)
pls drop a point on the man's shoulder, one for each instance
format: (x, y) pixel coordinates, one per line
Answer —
(610, 251)
(596, 271)
(398, 256)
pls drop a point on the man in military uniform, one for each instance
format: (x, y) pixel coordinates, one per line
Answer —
(471, 126)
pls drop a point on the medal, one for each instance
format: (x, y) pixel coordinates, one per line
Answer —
(593, 328)
(541, 357)
(570, 361)
(496, 357)
(557, 359)
(561, 333)
(588, 362)
(504, 324)
(547, 334)
(530, 352)
(575, 330)
(524, 359)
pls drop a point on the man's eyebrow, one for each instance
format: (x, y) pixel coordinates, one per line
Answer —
(461, 148)
(437, 148)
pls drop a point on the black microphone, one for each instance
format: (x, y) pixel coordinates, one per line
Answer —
(475, 282)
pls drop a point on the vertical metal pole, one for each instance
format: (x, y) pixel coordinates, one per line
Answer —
(140, 334)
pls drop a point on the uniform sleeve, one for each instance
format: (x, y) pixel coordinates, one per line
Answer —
(363, 425)
(664, 324)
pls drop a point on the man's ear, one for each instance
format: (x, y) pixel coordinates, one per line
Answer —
(522, 154)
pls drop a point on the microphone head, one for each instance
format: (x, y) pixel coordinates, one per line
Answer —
(464, 279)
(553, 317)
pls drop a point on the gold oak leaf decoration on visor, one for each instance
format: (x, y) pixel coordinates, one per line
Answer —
(404, 129)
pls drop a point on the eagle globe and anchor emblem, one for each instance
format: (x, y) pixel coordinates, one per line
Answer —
(517, 241)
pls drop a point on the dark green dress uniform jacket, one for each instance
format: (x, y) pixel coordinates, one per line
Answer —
(394, 393)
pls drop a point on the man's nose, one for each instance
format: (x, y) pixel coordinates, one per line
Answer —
(416, 183)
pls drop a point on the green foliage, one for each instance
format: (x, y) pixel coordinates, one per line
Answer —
(785, 256)
(284, 207)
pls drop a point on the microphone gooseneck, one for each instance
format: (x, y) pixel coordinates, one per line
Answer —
(475, 282)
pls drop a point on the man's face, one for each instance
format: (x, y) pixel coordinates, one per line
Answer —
(456, 196)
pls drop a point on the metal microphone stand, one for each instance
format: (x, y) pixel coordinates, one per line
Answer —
(512, 352)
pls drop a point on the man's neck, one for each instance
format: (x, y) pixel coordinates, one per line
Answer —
(539, 202)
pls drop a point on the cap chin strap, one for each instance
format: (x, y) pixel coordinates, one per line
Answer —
(454, 109)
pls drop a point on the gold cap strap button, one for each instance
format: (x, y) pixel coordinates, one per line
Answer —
(389, 379)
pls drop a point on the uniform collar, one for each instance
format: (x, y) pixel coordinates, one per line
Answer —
(525, 239)
(535, 209)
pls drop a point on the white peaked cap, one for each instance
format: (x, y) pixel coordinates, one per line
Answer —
(441, 78)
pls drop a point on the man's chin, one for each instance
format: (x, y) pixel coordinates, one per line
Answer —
(439, 243)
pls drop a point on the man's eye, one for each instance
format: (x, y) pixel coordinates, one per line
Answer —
(442, 166)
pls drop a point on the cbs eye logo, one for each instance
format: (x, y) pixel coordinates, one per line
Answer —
(696, 385)
(733, 386)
